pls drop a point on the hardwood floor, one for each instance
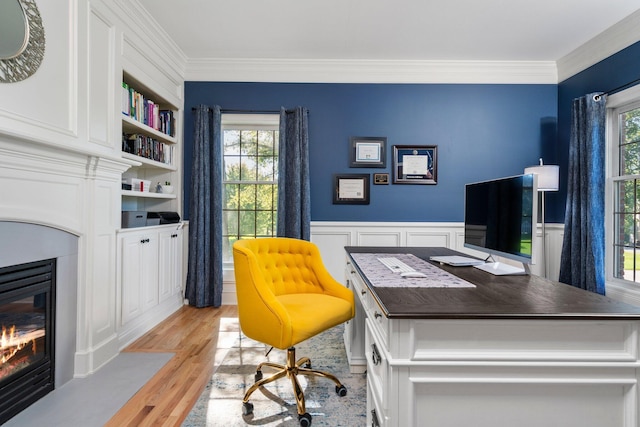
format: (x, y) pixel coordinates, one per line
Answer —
(199, 337)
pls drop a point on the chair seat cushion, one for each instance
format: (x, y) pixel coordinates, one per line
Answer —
(312, 313)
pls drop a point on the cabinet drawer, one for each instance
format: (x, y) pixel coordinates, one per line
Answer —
(375, 414)
(377, 366)
(379, 321)
(356, 285)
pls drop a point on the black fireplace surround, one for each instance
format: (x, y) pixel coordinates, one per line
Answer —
(27, 305)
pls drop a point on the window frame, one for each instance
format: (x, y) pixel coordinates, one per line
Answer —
(616, 103)
(245, 121)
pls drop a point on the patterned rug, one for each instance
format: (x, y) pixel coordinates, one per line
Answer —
(274, 405)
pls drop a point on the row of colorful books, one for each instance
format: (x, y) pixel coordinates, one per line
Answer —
(144, 110)
(147, 147)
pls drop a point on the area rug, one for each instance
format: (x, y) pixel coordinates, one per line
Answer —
(274, 405)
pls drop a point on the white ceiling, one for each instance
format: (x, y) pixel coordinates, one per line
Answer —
(489, 30)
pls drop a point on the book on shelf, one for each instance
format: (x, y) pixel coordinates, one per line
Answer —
(167, 122)
(147, 147)
(125, 99)
(146, 111)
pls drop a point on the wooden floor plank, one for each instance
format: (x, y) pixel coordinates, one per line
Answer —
(199, 337)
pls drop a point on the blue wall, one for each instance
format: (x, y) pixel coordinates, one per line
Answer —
(482, 132)
(605, 76)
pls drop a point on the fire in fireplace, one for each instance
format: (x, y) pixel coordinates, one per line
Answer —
(27, 305)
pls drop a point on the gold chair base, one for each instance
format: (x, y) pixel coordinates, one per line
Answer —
(291, 370)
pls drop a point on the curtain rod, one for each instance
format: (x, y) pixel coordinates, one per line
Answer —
(617, 89)
(228, 111)
(231, 111)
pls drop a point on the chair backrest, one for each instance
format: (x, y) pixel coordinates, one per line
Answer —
(268, 268)
(286, 265)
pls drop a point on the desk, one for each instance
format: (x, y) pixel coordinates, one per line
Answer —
(513, 351)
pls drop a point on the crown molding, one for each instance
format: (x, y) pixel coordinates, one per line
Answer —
(612, 40)
(370, 71)
(147, 34)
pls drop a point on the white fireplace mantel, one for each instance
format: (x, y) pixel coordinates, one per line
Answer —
(74, 190)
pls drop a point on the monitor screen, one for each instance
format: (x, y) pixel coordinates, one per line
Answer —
(500, 217)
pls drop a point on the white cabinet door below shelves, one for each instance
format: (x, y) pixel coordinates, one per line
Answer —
(139, 274)
(170, 263)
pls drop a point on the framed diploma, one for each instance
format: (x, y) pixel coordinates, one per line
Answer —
(415, 164)
(351, 189)
(368, 152)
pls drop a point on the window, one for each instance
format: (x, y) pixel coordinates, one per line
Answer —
(624, 136)
(250, 179)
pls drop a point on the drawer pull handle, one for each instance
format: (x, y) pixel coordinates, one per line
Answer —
(363, 292)
(374, 419)
(375, 355)
(377, 314)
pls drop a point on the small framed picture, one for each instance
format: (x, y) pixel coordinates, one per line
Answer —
(380, 178)
(368, 152)
(415, 164)
(351, 189)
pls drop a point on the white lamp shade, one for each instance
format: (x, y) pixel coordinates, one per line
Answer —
(548, 176)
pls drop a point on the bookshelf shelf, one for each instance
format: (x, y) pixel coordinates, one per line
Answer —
(147, 195)
(130, 125)
(148, 163)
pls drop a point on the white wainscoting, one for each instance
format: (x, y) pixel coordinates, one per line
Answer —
(332, 237)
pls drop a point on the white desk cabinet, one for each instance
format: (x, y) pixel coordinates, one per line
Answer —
(514, 351)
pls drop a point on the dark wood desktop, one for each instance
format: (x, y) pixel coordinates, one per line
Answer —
(519, 296)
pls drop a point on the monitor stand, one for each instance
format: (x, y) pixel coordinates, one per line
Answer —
(502, 269)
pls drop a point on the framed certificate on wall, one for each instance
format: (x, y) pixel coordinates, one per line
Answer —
(368, 152)
(415, 164)
(351, 189)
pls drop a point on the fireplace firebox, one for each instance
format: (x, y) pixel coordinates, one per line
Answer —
(27, 305)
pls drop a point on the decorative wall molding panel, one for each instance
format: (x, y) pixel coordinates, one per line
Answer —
(332, 237)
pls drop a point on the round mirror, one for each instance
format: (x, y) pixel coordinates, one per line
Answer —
(14, 29)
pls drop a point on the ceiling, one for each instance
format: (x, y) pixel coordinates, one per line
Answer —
(489, 30)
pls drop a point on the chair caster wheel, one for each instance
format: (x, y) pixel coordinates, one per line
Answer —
(307, 365)
(341, 390)
(258, 376)
(304, 420)
(247, 408)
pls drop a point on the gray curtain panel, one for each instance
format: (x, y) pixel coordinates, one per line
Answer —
(582, 259)
(204, 275)
(294, 200)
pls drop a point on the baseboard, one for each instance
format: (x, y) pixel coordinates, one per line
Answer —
(145, 322)
(88, 362)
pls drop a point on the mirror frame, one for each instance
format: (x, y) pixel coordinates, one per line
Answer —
(28, 61)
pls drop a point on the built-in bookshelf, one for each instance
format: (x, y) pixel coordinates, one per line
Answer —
(149, 137)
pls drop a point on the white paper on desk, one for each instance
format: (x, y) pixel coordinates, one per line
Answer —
(415, 165)
(351, 189)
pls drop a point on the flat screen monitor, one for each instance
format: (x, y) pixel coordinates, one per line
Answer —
(500, 219)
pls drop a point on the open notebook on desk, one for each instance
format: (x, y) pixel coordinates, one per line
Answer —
(456, 260)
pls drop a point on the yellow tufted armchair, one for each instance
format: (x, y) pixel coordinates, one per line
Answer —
(285, 296)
